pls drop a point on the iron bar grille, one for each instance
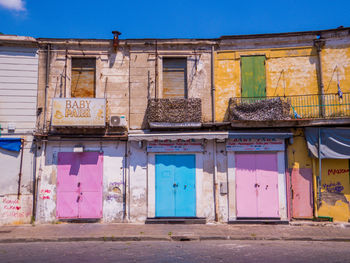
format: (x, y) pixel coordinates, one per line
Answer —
(310, 106)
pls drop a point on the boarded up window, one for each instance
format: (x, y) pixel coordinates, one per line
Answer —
(253, 76)
(174, 78)
(83, 78)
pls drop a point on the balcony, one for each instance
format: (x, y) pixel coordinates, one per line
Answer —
(301, 108)
(174, 113)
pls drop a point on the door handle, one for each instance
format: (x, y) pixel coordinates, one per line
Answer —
(266, 187)
(175, 185)
(78, 198)
(79, 184)
(257, 185)
(185, 186)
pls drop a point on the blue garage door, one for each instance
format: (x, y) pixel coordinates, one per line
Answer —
(175, 185)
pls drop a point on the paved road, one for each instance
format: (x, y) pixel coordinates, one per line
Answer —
(165, 251)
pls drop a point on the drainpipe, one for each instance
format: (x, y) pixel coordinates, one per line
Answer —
(216, 199)
(20, 170)
(34, 181)
(156, 71)
(47, 81)
(319, 43)
(125, 172)
(319, 168)
(212, 86)
(128, 180)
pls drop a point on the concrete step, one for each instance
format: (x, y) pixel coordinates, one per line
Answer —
(176, 220)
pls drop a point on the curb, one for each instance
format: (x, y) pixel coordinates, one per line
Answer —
(168, 238)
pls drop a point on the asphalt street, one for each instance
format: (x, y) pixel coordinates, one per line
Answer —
(185, 251)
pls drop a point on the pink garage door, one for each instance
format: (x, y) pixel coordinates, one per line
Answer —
(302, 200)
(79, 185)
(257, 185)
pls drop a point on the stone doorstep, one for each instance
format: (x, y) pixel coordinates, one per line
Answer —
(177, 220)
(260, 221)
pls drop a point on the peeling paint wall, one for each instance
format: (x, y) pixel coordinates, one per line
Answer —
(290, 69)
(146, 79)
(335, 190)
(111, 80)
(113, 178)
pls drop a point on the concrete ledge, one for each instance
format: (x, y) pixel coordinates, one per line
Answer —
(170, 220)
(258, 221)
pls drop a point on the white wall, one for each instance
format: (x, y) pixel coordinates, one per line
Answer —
(18, 92)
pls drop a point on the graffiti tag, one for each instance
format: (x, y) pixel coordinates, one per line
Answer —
(333, 187)
(45, 194)
(337, 171)
(115, 197)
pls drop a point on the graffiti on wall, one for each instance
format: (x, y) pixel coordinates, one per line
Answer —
(337, 171)
(12, 207)
(333, 187)
(45, 194)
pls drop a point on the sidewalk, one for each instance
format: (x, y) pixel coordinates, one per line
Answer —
(140, 232)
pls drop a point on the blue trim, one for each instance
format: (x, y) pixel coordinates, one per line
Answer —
(11, 144)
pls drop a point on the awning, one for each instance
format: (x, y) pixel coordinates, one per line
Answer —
(259, 135)
(177, 136)
(335, 142)
(11, 144)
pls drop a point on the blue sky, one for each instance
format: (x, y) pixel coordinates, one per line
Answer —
(168, 19)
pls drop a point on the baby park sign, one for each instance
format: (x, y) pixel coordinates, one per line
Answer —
(79, 112)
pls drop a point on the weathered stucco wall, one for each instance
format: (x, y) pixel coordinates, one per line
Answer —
(113, 178)
(289, 71)
(112, 75)
(137, 195)
(146, 80)
(335, 190)
(14, 210)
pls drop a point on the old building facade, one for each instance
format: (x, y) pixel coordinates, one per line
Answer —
(226, 129)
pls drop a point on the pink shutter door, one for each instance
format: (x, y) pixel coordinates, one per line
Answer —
(90, 179)
(68, 166)
(267, 180)
(246, 192)
(302, 193)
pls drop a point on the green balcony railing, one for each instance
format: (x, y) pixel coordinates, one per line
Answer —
(312, 106)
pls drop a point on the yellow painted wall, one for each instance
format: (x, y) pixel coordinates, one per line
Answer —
(289, 71)
(298, 157)
(335, 188)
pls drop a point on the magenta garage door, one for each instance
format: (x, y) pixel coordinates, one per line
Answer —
(257, 185)
(79, 185)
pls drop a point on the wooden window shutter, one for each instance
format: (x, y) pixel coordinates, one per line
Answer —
(174, 78)
(253, 76)
(83, 77)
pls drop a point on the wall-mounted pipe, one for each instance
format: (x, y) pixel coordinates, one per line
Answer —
(216, 188)
(156, 71)
(319, 43)
(213, 117)
(20, 170)
(48, 55)
(319, 168)
(125, 172)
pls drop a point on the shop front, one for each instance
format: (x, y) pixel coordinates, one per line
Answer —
(256, 176)
(80, 170)
(177, 175)
(330, 150)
